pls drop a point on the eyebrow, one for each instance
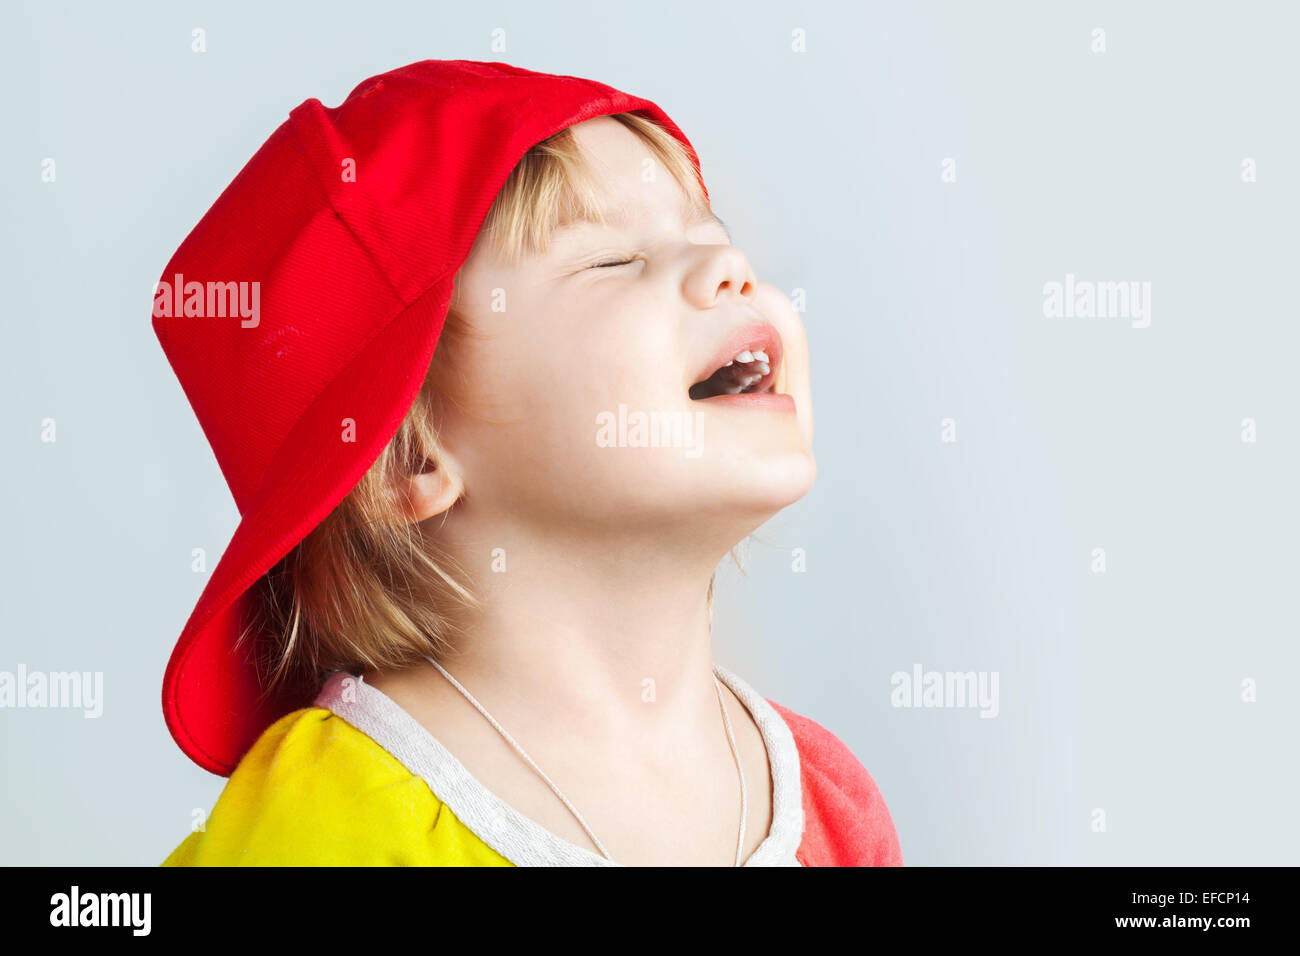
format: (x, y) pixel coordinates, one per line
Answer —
(697, 215)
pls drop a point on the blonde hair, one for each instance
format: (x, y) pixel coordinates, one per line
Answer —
(368, 588)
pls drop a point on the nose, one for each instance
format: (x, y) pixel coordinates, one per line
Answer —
(720, 270)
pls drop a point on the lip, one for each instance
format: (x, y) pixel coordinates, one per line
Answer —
(775, 401)
(751, 336)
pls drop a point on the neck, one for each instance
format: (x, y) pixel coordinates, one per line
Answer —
(600, 640)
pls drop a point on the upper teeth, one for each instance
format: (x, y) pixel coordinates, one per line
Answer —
(758, 355)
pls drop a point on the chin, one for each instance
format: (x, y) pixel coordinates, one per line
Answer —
(797, 475)
(767, 486)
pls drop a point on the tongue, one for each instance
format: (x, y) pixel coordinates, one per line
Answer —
(725, 380)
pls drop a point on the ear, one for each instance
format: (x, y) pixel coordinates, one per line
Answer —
(435, 489)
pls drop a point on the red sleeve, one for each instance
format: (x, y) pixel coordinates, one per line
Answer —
(846, 822)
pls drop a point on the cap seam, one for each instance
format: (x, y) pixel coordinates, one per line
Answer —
(329, 200)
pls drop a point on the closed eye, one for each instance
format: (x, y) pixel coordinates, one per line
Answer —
(611, 263)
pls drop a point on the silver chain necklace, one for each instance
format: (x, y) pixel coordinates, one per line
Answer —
(726, 720)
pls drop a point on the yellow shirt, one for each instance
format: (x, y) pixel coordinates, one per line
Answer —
(315, 791)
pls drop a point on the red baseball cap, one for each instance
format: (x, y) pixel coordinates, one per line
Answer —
(313, 292)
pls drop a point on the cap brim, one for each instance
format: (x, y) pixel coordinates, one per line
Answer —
(212, 700)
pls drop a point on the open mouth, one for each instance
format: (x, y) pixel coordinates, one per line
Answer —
(746, 361)
(749, 373)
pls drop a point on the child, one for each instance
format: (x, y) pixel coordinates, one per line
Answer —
(465, 618)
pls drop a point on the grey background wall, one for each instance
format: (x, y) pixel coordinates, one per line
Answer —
(921, 171)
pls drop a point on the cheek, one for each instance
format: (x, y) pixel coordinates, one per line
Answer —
(536, 406)
(541, 402)
(642, 359)
(621, 352)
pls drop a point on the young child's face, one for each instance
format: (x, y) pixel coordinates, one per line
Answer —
(571, 340)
